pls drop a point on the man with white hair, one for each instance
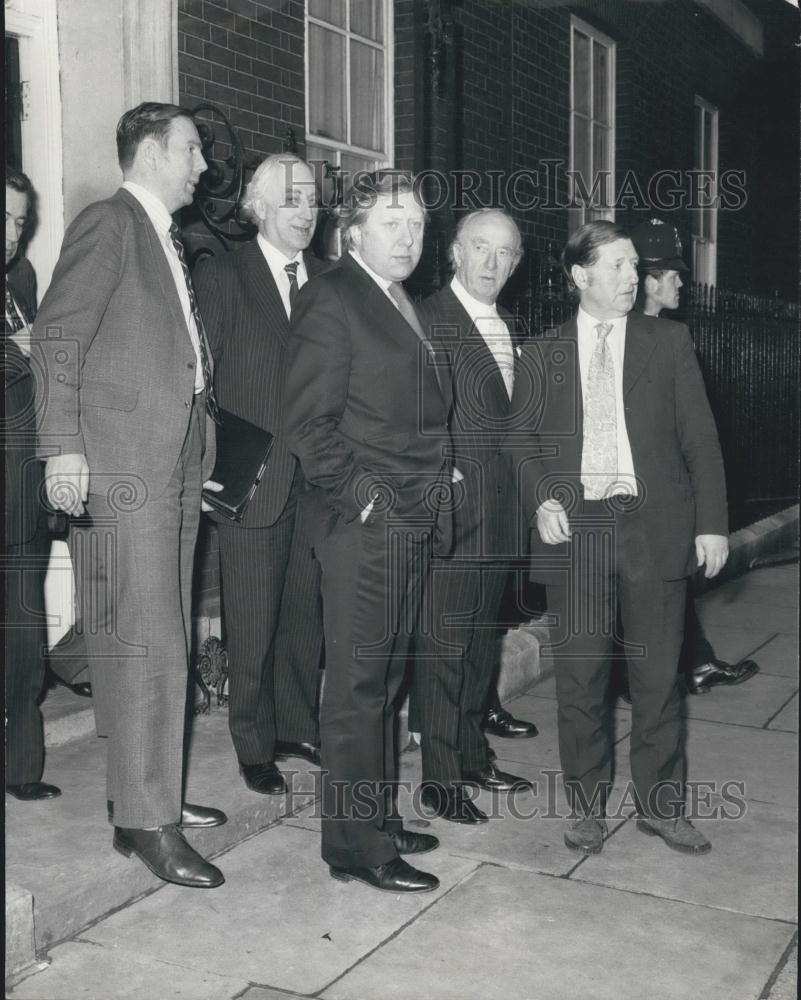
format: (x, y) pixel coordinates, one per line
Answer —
(270, 581)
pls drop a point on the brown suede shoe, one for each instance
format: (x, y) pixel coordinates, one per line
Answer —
(679, 834)
(587, 835)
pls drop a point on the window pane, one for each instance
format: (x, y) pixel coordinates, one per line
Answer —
(600, 65)
(352, 165)
(709, 139)
(315, 156)
(326, 83)
(600, 160)
(366, 96)
(581, 73)
(332, 11)
(581, 153)
(366, 18)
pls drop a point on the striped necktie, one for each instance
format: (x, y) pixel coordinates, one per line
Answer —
(14, 320)
(292, 273)
(409, 313)
(599, 453)
(205, 353)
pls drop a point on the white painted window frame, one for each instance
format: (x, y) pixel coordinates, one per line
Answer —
(579, 215)
(383, 158)
(705, 249)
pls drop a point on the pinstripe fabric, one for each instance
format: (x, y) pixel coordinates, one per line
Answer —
(26, 550)
(270, 580)
(456, 661)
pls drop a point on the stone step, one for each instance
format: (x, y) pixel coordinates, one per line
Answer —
(20, 948)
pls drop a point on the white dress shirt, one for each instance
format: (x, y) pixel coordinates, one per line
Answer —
(162, 220)
(277, 262)
(616, 343)
(493, 330)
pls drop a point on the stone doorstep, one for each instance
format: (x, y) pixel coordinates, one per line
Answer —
(20, 946)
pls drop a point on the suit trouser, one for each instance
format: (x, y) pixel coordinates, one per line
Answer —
(455, 666)
(24, 633)
(611, 569)
(274, 633)
(372, 580)
(133, 556)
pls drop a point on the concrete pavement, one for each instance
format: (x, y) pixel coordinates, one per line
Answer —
(517, 915)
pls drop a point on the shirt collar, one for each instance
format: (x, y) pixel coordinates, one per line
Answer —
(587, 323)
(153, 205)
(276, 259)
(381, 282)
(474, 309)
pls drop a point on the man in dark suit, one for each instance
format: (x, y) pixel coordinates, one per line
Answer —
(26, 541)
(366, 414)
(456, 659)
(125, 425)
(621, 471)
(270, 580)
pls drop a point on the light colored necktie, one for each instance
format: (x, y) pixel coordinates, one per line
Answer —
(599, 454)
(502, 351)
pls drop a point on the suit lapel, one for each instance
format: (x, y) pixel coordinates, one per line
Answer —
(265, 291)
(159, 258)
(640, 345)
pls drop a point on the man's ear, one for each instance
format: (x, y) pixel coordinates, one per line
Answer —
(148, 152)
(458, 256)
(579, 276)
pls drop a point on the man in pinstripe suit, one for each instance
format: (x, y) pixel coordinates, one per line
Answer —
(270, 580)
(455, 664)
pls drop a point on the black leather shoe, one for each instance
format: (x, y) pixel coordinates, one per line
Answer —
(263, 778)
(394, 876)
(308, 751)
(167, 854)
(192, 817)
(453, 804)
(494, 779)
(501, 723)
(29, 791)
(411, 842)
(703, 678)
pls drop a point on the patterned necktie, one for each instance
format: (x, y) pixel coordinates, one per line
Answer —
(292, 273)
(599, 454)
(407, 310)
(14, 320)
(205, 353)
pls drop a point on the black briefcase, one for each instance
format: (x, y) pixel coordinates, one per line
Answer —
(242, 454)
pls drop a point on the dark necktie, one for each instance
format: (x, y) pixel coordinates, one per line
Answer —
(14, 320)
(292, 273)
(205, 352)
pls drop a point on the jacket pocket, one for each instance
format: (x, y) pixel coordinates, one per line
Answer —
(109, 395)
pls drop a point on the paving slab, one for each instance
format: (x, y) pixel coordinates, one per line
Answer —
(785, 986)
(750, 869)
(751, 703)
(280, 920)
(779, 656)
(733, 644)
(87, 971)
(787, 718)
(562, 939)
(718, 613)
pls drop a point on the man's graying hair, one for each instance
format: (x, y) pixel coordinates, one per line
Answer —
(466, 219)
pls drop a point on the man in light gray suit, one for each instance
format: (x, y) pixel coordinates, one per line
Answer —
(124, 401)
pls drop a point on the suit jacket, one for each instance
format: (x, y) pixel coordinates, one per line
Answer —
(22, 467)
(365, 410)
(117, 360)
(674, 442)
(484, 517)
(248, 330)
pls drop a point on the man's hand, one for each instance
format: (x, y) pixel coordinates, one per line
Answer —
(552, 523)
(712, 551)
(215, 487)
(67, 483)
